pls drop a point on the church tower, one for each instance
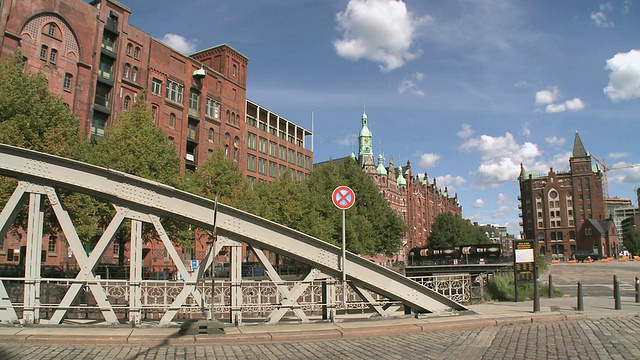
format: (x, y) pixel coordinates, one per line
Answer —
(365, 152)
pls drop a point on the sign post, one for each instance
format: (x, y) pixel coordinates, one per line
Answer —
(343, 198)
(524, 267)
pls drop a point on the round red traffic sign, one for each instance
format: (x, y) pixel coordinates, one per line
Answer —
(343, 197)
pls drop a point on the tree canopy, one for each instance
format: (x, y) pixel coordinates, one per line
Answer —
(451, 230)
(632, 240)
(135, 145)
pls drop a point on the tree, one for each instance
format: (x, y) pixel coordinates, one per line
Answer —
(33, 118)
(219, 176)
(135, 145)
(632, 240)
(451, 230)
(372, 227)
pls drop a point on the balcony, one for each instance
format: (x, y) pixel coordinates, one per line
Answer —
(102, 100)
(112, 25)
(192, 135)
(194, 114)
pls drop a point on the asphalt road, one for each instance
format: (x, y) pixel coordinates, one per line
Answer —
(596, 278)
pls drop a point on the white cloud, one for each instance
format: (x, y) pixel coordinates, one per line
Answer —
(624, 80)
(478, 203)
(600, 17)
(625, 173)
(618, 155)
(450, 182)
(428, 160)
(466, 131)
(574, 104)
(179, 43)
(544, 97)
(500, 158)
(551, 96)
(348, 140)
(411, 86)
(378, 30)
(555, 141)
(526, 131)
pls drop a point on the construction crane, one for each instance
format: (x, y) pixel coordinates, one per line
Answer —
(605, 171)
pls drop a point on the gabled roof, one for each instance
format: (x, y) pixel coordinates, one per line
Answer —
(602, 226)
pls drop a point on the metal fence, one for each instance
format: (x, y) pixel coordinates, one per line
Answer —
(259, 297)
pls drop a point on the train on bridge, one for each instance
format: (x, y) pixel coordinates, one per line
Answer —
(454, 255)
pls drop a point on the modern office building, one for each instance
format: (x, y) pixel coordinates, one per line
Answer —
(561, 209)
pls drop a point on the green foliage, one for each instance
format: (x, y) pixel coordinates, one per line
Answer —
(136, 146)
(502, 288)
(33, 118)
(372, 227)
(451, 230)
(632, 241)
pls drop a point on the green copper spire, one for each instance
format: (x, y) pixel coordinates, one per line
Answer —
(381, 169)
(400, 180)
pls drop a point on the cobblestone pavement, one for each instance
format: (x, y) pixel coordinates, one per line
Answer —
(609, 338)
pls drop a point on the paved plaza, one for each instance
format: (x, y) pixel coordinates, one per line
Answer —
(493, 330)
(609, 338)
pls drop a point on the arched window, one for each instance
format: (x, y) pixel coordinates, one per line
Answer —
(127, 100)
(154, 112)
(134, 74)
(67, 81)
(228, 116)
(235, 147)
(129, 47)
(136, 53)
(172, 121)
(126, 71)
(238, 119)
(53, 57)
(234, 70)
(43, 52)
(210, 134)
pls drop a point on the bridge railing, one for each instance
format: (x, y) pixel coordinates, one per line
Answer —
(260, 297)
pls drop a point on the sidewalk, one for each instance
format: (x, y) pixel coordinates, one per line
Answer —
(481, 315)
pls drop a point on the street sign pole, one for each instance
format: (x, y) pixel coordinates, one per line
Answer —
(344, 261)
(343, 198)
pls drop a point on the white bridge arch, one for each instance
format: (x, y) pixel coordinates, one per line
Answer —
(142, 201)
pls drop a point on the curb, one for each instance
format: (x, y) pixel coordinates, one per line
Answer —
(353, 330)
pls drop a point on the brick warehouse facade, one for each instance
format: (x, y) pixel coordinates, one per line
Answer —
(414, 199)
(98, 63)
(565, 211)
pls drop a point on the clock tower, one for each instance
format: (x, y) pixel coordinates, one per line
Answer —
(365, 151)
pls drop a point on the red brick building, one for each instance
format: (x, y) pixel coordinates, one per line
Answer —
(413, 197)
(99, 63)
(561, 209)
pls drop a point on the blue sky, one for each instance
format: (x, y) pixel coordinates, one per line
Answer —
(465, 90)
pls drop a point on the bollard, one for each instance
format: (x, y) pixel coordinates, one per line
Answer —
(637, 289)
(536, 290)
(580, 302)
(616, 293)
(550, 286)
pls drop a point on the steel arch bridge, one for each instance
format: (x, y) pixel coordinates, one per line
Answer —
(141, 201)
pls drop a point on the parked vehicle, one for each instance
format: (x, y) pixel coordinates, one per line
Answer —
(582, 255)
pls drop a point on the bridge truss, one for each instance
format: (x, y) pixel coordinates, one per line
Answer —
(40, 176)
